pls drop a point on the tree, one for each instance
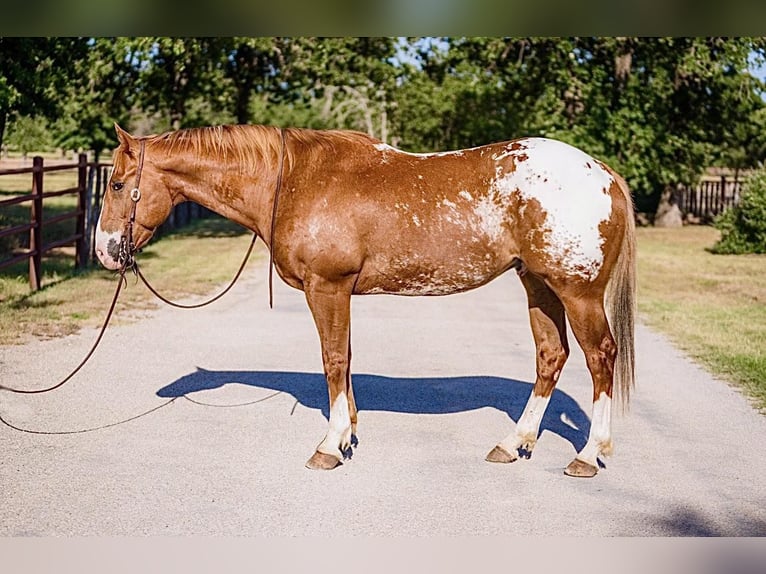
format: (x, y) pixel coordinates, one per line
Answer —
(34, 73)
(252, 66)
(179, 75)
(345, 82)
(101, 93)
(26, 134)
(667, 121)
(659, 110)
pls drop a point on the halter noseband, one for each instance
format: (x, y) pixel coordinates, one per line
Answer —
(127, 245)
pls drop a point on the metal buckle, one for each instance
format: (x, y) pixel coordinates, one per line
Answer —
(135, 194)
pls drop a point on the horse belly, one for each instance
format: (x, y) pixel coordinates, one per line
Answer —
(423, 271)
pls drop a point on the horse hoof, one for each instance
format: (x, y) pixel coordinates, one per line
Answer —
(581, 469)
(499, 454)
(322, 461)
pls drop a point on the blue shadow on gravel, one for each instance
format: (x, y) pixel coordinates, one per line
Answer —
(403, 395)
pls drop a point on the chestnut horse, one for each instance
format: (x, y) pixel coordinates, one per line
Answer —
(344, 214)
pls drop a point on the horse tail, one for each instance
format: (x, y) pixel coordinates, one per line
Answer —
(621, 303)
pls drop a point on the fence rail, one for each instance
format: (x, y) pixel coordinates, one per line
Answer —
(36, 247)
(92, 178)
(711, 196)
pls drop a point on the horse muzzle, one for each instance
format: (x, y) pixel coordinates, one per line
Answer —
(109, 249)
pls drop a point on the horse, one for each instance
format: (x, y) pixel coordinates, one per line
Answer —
(343, 214)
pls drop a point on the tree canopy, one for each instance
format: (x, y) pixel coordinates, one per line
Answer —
(659, 110)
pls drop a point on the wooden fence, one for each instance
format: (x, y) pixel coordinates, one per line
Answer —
(35, 249)
(717, 190)
(92, 179)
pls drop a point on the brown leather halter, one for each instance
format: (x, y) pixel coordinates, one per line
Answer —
(127, 245)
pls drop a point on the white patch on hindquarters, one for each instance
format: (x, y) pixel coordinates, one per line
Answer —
(600, 437)
(338, 436)
(465, 195)
(572, 189)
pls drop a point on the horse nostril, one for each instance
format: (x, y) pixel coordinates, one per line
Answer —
(113, 249)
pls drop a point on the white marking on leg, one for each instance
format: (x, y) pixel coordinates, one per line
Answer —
(528, 426)
(338, 436)
(600, 437)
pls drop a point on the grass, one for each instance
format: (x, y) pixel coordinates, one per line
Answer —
(192, 261)
(713, 307)
(178, 265)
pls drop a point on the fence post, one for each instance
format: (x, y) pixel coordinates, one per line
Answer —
(81, 256)
(36, 233)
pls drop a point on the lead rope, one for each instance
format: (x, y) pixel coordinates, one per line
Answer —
(127, 250)
(277, 189)
(126, 258)
(120, 283)
(209, 301)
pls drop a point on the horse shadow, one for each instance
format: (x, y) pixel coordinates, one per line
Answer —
(434, 395)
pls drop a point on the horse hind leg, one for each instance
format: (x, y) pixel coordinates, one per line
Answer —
(547, 319)
(591, 328)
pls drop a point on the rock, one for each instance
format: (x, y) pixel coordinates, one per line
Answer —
(668, 213)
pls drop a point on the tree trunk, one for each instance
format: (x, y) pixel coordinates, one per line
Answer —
(668, 212)
(3, 116)
(243, 102)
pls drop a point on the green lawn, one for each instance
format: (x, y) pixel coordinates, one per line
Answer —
(195, 260)
(711, 306)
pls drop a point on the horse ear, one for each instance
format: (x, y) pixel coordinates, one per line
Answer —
(126, 140)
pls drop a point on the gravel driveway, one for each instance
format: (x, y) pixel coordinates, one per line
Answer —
(229, 402)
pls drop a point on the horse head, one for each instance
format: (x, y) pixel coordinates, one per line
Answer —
(137, 191)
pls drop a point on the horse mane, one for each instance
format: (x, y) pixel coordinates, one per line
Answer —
(250, 147)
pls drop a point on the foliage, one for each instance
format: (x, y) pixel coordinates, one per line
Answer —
(743, 227)
(659, 110)
(711, 306)
(101, 93)
(28, 134)
(33, 74)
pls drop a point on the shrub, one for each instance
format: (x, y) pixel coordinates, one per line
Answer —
(743, 227)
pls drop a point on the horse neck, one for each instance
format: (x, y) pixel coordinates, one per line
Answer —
(246, 199)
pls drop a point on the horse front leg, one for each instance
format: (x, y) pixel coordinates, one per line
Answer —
(330, 304)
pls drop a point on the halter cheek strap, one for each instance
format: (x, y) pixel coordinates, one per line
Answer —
(127, 245)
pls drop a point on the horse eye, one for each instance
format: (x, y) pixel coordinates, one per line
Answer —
(117, 185)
